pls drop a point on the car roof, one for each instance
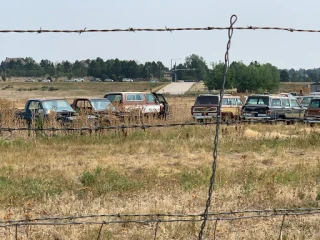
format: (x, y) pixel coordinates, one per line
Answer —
(126, 92)
(91, 98)
(272, 96)
(218, 95)
(45, 99)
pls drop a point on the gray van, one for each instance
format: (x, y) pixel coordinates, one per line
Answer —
(272, 107)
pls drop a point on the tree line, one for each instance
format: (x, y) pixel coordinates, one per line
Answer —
(97, 68)
(254, 77)
(301, 75)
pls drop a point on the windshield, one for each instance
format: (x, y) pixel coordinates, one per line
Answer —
(101, 104)
(207, 100)
(305, 101)
(315, 103)
(59, 105)
(256, 100)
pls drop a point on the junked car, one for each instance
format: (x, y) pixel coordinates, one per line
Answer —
(206, 106)
(144, 103)
(39, 109)
(312, 114)
(102, 108)
(305, 100)
(272, 107)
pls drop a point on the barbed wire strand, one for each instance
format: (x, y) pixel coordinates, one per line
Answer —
(233, 20)
(158, 215)
(145, 126)
(147, 221)
(165, 29)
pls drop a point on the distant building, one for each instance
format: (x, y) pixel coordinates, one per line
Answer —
(314, 87)
(8, 60)
(167, 75)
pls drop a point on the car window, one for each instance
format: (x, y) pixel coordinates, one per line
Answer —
(57, 105)
(101, 104)
(224, 101)
(285, 102)
(255, 100)
(34, 105)
(134, 97)
(150, 97)
(207, 100)
(294, 103)
(114, 97)
(232, 101)
(82, 104)
(275, 102)
(306, 100)
(315, 103)
(239, 102)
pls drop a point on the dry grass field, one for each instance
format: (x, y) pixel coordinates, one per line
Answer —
(161, 170)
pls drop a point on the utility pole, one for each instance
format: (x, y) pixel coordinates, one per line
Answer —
(175, 75)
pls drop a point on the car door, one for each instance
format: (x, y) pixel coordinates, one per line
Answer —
(275, 108)
(33, 109)
(83, 106)
(116, 99)
(313, 111)
(296, 109)
(161, 99)
(239, 106)
(286, 109)
(233, 106)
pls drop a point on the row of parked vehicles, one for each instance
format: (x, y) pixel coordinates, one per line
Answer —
(257, 107)
(101, 111)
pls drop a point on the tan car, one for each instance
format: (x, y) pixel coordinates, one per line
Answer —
(231, 106)
(206, 106)
(146, 103)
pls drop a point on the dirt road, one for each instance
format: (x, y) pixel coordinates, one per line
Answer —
(176, 88)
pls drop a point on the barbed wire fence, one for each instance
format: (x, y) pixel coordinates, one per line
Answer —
(147, 126)
(160, 218)
(165, 29)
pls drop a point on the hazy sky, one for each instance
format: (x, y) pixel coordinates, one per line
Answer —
(282, 49)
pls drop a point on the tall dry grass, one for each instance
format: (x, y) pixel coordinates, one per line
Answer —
(161, 170)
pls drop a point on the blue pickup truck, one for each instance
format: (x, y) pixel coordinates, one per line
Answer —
(38, 109)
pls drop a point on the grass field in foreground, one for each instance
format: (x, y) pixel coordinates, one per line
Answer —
(162, 171)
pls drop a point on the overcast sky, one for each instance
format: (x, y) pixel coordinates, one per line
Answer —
(282, 49)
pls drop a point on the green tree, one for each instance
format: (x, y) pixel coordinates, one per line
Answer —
(198, 66)
(284, 75)
(215, 77)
